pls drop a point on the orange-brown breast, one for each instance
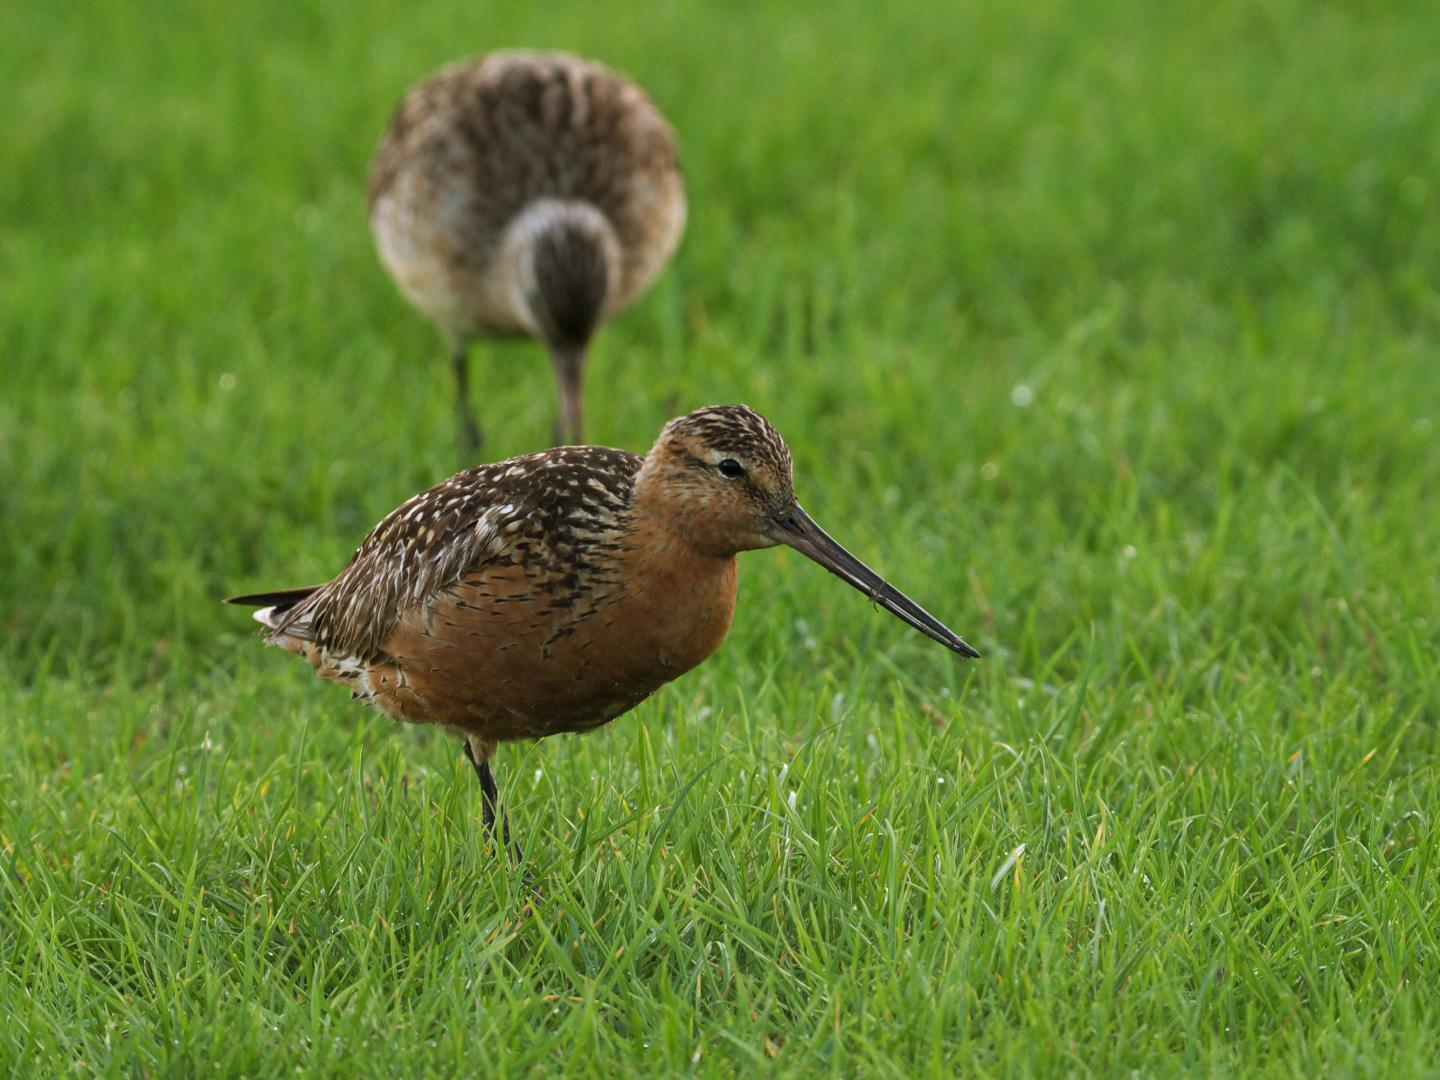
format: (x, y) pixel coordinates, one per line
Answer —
(517, 651)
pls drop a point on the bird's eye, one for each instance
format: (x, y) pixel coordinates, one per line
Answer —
(730, 468)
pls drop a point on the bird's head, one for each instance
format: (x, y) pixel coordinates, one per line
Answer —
(720, 479)
(722, 476)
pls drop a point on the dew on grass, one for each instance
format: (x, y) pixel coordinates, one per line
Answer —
(1014, 857)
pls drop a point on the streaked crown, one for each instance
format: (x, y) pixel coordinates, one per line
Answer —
(737, 430)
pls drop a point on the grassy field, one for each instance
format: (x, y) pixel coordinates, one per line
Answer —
(1107, 331)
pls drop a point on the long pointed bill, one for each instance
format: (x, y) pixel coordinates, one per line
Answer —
(799, 531)
(569, 365)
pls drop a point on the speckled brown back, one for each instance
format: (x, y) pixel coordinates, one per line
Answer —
(560, 512)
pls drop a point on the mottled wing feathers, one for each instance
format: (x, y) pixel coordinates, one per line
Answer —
(537, 509)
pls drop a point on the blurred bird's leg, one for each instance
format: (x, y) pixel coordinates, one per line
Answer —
(470, 436)
(569, 364)
(478, 751)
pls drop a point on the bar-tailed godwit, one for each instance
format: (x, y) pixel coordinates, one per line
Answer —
(556, 591)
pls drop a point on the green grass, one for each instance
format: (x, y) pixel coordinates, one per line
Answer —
(1107, 331)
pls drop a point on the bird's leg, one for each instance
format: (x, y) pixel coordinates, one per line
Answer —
(478, 752)
(470, 436)
(569, 365)
(488, 790)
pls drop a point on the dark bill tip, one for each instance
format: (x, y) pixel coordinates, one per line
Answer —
(798, 530)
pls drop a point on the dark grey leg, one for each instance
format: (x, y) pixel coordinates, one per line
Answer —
(490, 797)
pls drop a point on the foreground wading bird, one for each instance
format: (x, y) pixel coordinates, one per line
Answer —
(525, 194)
(556, 591)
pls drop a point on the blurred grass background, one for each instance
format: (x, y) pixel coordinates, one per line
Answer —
(1107, 331)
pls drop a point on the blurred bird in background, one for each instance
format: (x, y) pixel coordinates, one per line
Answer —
(525, 193)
